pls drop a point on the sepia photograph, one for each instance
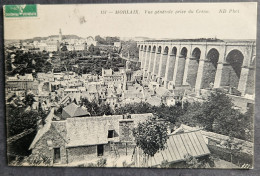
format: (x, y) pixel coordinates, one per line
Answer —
(148, 85)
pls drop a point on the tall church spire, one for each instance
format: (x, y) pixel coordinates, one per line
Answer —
(60, 35)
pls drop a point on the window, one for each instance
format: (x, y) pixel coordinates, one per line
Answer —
(250, 105)
(56, 158)
(100, 150)
(110, 134)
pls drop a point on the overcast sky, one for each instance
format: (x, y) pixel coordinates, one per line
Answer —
(87, 20)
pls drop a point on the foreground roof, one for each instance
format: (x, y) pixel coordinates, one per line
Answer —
(44, 129)
(178, 146)
(85, 131)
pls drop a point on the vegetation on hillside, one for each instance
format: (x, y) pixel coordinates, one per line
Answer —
(216, 114)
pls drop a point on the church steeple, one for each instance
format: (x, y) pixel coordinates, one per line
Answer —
(60, 35)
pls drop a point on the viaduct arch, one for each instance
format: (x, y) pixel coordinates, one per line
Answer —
(199, 64)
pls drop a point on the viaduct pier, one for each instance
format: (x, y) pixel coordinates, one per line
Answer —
(201, 64)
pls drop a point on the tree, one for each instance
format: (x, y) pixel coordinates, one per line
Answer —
(29, 100)
(92, 107)
(217, 114)
(19, 120)
(100, 40)
(190, 112)
(91, 49)
(105, 109)
(151, 136)
(96, 51)
(137, 108)
(64, 48)
(130, 47)
(170, 113)
(218, 106)
(112, 40)
(249, 124)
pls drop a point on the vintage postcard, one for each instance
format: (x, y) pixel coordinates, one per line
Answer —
(164, 85)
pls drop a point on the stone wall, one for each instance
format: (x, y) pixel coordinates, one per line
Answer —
(229, 77)
(250, 86)
(209, 73)
(152, 62)
(147, 61)
(157, 63)
(162, 68)
(42, 147)
(81, 153)
(170, 71)
(125, 130)
(180, 71)
(192, 72)
(241, 102)
(236, 157)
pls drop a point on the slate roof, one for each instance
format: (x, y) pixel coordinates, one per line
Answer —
(86, 131)
(44, 129)
(178, 146)
(154, 101)
(246, 146)
(72, 110)
(134, 92)
(163, 92)
(92, 89)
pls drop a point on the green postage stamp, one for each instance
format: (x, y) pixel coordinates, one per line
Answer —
(29, 10)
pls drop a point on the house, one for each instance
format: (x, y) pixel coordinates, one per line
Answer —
(71, 90)
(22, 83)
(73, 110)
(153, 85)
(134, 94)
(154, 101)
(108, 76)
(92, 91)
(83, 138)
(166, 96)
(178, 146)
(112, 99)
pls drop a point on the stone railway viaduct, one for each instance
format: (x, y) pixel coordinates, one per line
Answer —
(200, 64)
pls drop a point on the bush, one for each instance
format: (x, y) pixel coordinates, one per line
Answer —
(102, 162)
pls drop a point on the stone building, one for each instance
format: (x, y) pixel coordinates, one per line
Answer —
(108, 76)
(21, 84)
(83, 138)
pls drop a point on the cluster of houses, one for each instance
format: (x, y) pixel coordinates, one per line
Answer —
(78, 138)
(55, 43)
(115, 88)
